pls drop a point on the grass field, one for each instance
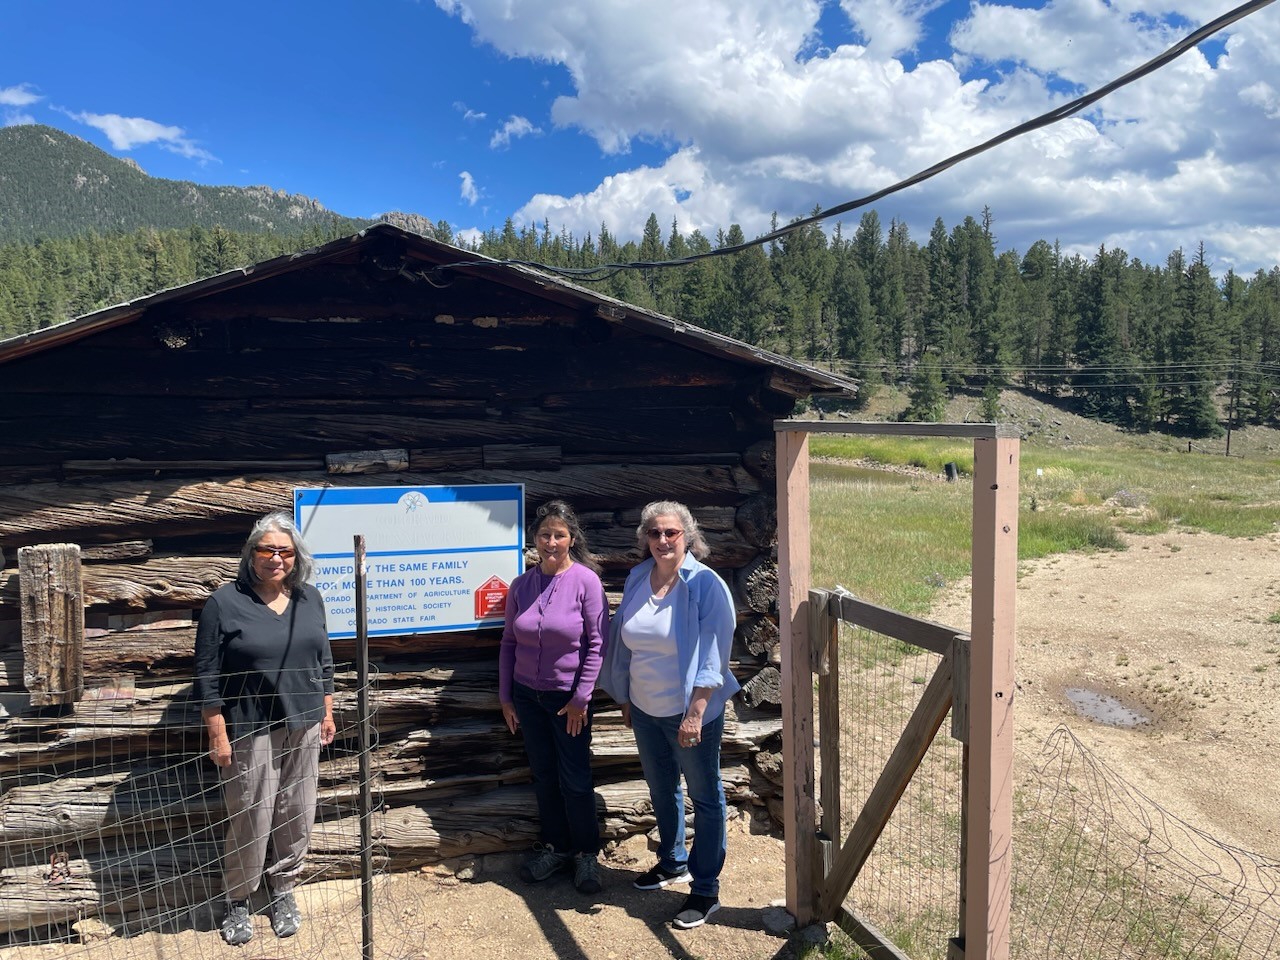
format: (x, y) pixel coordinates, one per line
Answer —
(896, 541)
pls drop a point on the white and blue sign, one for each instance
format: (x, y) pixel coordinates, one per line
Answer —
(436, 558)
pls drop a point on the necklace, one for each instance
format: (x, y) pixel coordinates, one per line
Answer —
(662, 588)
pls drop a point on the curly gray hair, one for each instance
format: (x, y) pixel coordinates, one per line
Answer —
(695, 543)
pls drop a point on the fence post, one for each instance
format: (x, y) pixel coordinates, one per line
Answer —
(803, 863)
(52, 601)
(824, 632)
(988, 859)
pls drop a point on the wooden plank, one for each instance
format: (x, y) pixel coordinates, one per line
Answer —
(262, 435)
(505, 456)
(867, 936)
(122, 508)
(989, 832)
(819, 632)
(900, 626)
(804, 863)
(903, 762)
(395, 460)
(829, 738)
(52, 623)
(125, 465)
(370, 371)
(960, 647)
(960, 431)
(122, 550)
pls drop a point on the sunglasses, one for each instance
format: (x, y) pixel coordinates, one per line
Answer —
(284, 553)
(670, 533)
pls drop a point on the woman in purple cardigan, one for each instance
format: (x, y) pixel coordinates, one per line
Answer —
(552, 646)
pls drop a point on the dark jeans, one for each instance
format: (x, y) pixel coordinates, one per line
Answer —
(561, 767)
(664, 760)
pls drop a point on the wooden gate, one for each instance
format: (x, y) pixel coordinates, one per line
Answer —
(975, 675)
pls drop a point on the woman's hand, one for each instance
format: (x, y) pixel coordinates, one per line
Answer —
(220, 749)
(328, 730)
(509, 715)
(577, 718)
(626, 715)
(690, 732)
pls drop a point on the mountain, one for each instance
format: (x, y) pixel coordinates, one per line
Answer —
(55, 185)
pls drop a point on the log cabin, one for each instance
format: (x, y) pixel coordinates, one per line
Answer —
(139, 443)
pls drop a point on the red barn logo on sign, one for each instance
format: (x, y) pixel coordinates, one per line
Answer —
(491, 599)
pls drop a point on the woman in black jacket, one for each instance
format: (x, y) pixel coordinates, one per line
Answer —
(264, 681)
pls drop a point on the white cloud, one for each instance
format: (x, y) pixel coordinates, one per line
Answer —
(469, 192)
(20, 96)
(889, 27)
(12, 99)
(514, 128)
(753, 125)
(126, 133)
(467, 113)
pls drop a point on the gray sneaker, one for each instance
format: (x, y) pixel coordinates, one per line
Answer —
(586, 873)
(544, 862)
(237, 927)
(286, 918)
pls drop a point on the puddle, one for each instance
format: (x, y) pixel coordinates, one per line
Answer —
(1105, 709)
(844, 472)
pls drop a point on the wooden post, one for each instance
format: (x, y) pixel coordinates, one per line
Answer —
(989, 827)
(52, 597)
(799, 810)
(825, 631)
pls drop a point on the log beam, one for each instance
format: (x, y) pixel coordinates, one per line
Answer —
(52, 623)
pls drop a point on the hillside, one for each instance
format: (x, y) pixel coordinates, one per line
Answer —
(1048, 424)
(55, 185)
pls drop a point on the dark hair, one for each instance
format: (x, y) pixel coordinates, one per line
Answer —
(282, 523)
(559, 510)
(694, 542)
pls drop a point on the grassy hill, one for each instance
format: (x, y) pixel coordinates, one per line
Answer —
(55, 185)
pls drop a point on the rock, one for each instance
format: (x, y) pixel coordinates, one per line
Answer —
(91, 928)
(777, 921)
(468, 868)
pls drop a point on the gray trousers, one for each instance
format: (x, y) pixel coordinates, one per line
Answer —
(270, 794)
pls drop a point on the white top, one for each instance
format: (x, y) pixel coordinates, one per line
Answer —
(648, 631)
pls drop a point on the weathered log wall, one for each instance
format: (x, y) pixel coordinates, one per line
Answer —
(154, 445)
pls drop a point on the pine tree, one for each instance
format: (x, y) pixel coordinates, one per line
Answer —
(1198, 347)
(928, 393)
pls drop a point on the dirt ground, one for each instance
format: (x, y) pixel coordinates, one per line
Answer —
(1179, 628)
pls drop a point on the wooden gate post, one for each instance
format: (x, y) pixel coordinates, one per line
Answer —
(989, 827)
(52, 595)
(799, 810)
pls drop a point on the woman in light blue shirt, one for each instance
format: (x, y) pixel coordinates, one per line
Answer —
(667, 664)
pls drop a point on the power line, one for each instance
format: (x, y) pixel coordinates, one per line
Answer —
(606, 270)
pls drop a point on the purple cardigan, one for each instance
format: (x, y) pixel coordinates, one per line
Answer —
(555, 633)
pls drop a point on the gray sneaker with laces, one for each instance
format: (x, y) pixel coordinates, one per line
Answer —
(286, 918)
(544, 862)
(586, 873)
(237, 927)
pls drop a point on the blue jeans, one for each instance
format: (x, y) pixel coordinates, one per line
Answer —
(561, 767)
(664, 761)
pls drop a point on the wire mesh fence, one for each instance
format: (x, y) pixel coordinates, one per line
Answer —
(1101, 871)
(114, 837)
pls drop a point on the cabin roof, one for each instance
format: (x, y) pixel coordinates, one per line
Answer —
(422, 254)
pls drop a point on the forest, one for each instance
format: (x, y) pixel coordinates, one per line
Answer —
(1169, 347)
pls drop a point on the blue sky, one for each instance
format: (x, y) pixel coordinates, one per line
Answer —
(706, 112)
